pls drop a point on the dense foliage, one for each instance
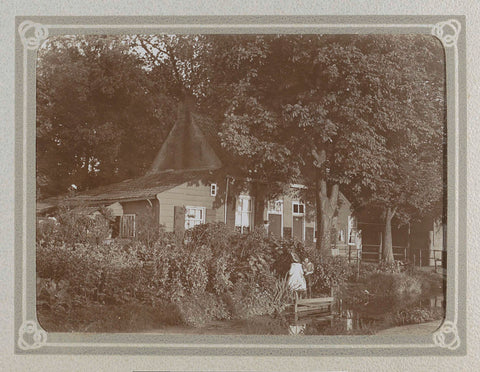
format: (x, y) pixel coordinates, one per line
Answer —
(361, 112)
(99, 118)
(214, 273)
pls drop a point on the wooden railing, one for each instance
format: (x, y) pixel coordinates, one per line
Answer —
(320, 307)
(399, 252)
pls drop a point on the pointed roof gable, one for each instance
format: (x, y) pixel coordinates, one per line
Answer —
(190, 154)
(186, 147)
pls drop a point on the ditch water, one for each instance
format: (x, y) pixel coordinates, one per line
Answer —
(348, 319)
(355, 312)
(370, 316)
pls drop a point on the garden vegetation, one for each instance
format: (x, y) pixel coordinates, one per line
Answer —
(87, 283)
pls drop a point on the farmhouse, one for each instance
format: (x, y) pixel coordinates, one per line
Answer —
(188, 184)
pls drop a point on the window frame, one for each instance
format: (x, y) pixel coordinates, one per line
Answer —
(213, 189)
(242, 212)
(298, 203)
(202, 219)
(122, 232)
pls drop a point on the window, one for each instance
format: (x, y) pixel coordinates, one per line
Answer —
(213, 189)
(352, 230)
(275, 206)
(194, 216)
(298, 208)
(127, 226)
(243, 214)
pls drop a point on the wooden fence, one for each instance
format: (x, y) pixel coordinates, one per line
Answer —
(371, 252)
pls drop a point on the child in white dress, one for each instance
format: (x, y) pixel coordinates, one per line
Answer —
(296, 278)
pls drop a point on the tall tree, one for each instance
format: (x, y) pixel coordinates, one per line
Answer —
(335, 104)
(215, 70)
(97, 118)
(412, 120)
(329, 111)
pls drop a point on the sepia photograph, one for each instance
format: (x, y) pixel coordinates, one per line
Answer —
(241, 184)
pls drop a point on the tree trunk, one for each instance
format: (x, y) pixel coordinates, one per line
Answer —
(326, 208)
(387, 251)
(259, 204)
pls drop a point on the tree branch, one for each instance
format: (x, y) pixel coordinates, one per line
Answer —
(394, 211)
(173, 61)
(154, 56)
(319, 159)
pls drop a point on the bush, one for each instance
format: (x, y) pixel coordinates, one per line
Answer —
(76, 225)
(430, 281)
(397, 286)
(147, 229)
(195, 275)
(330, 272)
(248, 299)
(392, 267)
(215, 273)
(197, 310)
(414, 315)
(91, 270)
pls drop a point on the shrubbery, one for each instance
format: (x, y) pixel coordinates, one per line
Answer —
(214, 273)
(75, 225)
(414, 315)
(396, 286)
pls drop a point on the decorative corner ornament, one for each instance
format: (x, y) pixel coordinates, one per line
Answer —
(32, 34)
(447, 336)
(31, 336)
(447, 32)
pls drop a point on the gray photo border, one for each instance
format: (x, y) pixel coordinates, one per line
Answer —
(448, 340)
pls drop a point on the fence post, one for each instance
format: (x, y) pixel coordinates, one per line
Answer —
(358, 263)
(296, 306)
(380, 248)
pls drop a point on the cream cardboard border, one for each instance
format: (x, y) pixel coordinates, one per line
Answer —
(447, 340)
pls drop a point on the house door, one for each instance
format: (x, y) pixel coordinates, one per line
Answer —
(275, 224)
(298, 227)
(275, 218)
(298, 211)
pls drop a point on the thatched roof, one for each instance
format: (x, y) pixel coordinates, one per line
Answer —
(189, 145)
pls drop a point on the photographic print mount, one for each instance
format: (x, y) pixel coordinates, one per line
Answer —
(31, 338)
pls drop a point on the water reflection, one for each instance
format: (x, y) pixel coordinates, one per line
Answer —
(364, 318)
(297, 329)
